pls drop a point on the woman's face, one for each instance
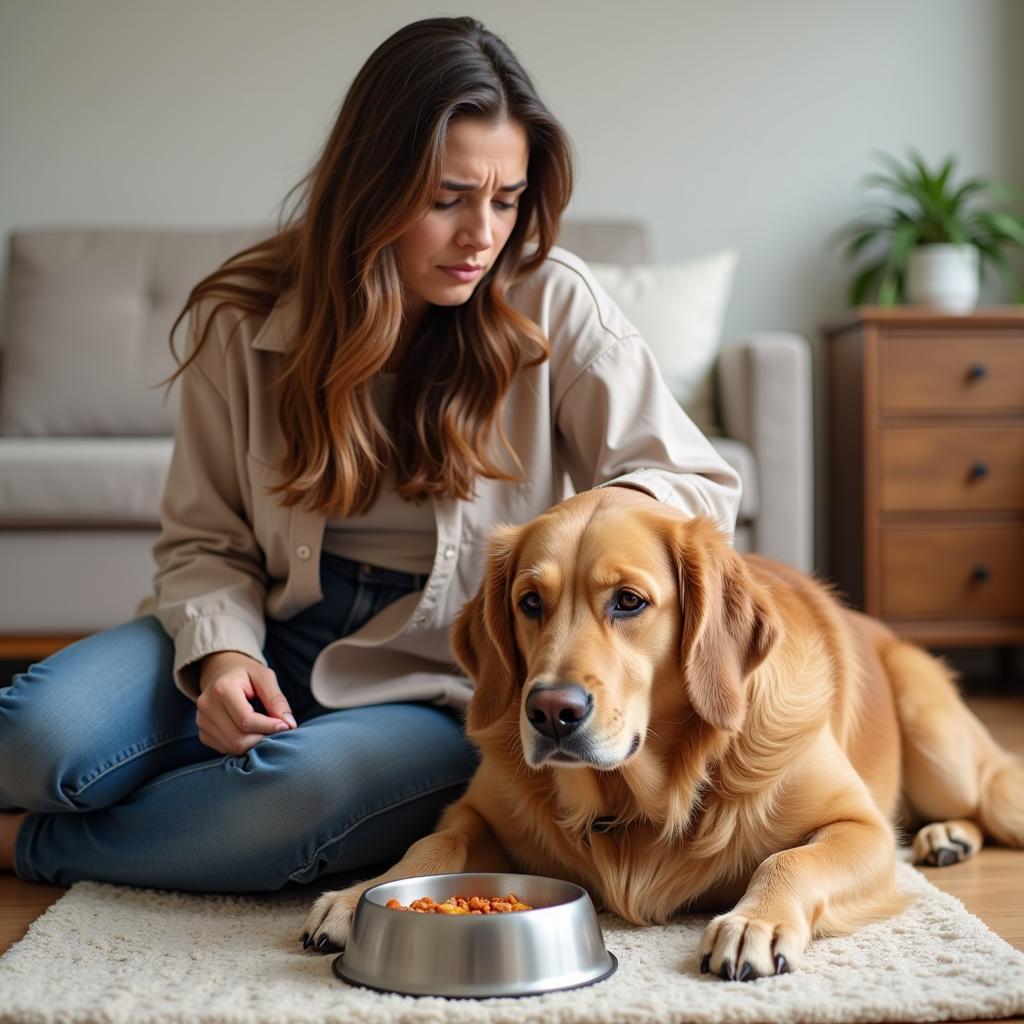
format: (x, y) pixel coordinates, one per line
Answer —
(443, 257)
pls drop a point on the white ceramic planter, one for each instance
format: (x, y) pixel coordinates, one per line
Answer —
(944, 277)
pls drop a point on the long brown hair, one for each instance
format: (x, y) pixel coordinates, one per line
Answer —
(378, 174)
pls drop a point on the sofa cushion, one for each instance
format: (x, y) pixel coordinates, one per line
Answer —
(82, 481)
(679, 309)
(88, 319)
(741, 458)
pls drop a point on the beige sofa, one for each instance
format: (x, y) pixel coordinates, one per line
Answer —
(85, 437)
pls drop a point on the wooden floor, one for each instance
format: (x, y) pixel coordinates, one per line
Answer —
(990, 885)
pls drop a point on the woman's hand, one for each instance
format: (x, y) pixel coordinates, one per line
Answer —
(228, 683)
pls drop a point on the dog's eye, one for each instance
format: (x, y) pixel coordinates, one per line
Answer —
(629, 602)
(531, 605)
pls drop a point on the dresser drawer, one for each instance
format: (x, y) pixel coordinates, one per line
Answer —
(952, 573)
(951, 373)
(968, 468)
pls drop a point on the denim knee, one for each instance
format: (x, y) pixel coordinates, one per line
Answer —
(34, 738)
(74, 717)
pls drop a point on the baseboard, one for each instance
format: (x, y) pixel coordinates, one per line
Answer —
(33, 646)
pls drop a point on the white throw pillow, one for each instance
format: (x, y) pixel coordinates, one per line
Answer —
(678, 308)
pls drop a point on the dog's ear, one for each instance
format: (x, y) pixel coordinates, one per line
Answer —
(729, 626)
(483, 639)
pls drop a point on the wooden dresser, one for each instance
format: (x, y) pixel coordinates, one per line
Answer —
(926, 419)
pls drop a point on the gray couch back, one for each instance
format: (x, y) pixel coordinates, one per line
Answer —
(89, 313)
(88, 319)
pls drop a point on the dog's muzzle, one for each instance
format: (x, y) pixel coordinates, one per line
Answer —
(561, 728)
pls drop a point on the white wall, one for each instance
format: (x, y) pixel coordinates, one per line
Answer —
(743, 122)
(753, 123)
(737, 121)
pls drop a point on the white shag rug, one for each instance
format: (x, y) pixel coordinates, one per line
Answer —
(110, 955)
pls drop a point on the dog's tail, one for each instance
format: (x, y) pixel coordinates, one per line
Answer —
(1001, 806)
(953, 768)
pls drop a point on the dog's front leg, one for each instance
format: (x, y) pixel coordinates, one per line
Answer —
(841, 879)
(463, 840)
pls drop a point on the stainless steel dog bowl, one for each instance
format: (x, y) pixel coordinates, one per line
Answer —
(557, 945)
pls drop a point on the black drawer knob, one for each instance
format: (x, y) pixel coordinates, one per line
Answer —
(981, 574)
(979, 470)
(977, 371)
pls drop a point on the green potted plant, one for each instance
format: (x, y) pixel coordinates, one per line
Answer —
(927, 239)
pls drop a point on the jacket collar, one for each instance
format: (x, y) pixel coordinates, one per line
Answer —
(281, 326)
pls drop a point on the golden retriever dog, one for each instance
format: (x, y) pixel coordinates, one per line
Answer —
(680, 729)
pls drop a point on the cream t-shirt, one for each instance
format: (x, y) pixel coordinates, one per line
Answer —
(394, 533)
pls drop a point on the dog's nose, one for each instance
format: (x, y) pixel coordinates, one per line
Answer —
(559, 709)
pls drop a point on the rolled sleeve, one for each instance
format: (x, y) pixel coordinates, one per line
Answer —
(207, 634)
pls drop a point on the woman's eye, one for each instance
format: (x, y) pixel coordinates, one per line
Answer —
(628, 601)
(498, 204)
(531, 605)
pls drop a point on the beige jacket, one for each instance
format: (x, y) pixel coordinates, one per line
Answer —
(596, 412)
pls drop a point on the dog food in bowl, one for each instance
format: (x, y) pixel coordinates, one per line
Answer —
(463, 905)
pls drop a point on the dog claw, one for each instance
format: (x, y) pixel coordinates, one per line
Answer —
(945, 856)
(726, 973)
(781, 965)
(324, 945)
(705, 963)
(306, 943)
(747, 971)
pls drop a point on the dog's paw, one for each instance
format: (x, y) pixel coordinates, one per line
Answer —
(946, 842)
(329, 922)
(740, 947)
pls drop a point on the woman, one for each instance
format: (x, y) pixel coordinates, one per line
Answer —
(406, 363)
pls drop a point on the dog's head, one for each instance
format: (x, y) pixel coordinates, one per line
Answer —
(605, 614)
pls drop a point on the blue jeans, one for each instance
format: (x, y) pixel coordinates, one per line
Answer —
(98, 744)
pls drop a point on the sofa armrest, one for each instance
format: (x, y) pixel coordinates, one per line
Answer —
(764, 399)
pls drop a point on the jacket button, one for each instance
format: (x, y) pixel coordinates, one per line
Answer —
(449, 552)
(303, 551)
